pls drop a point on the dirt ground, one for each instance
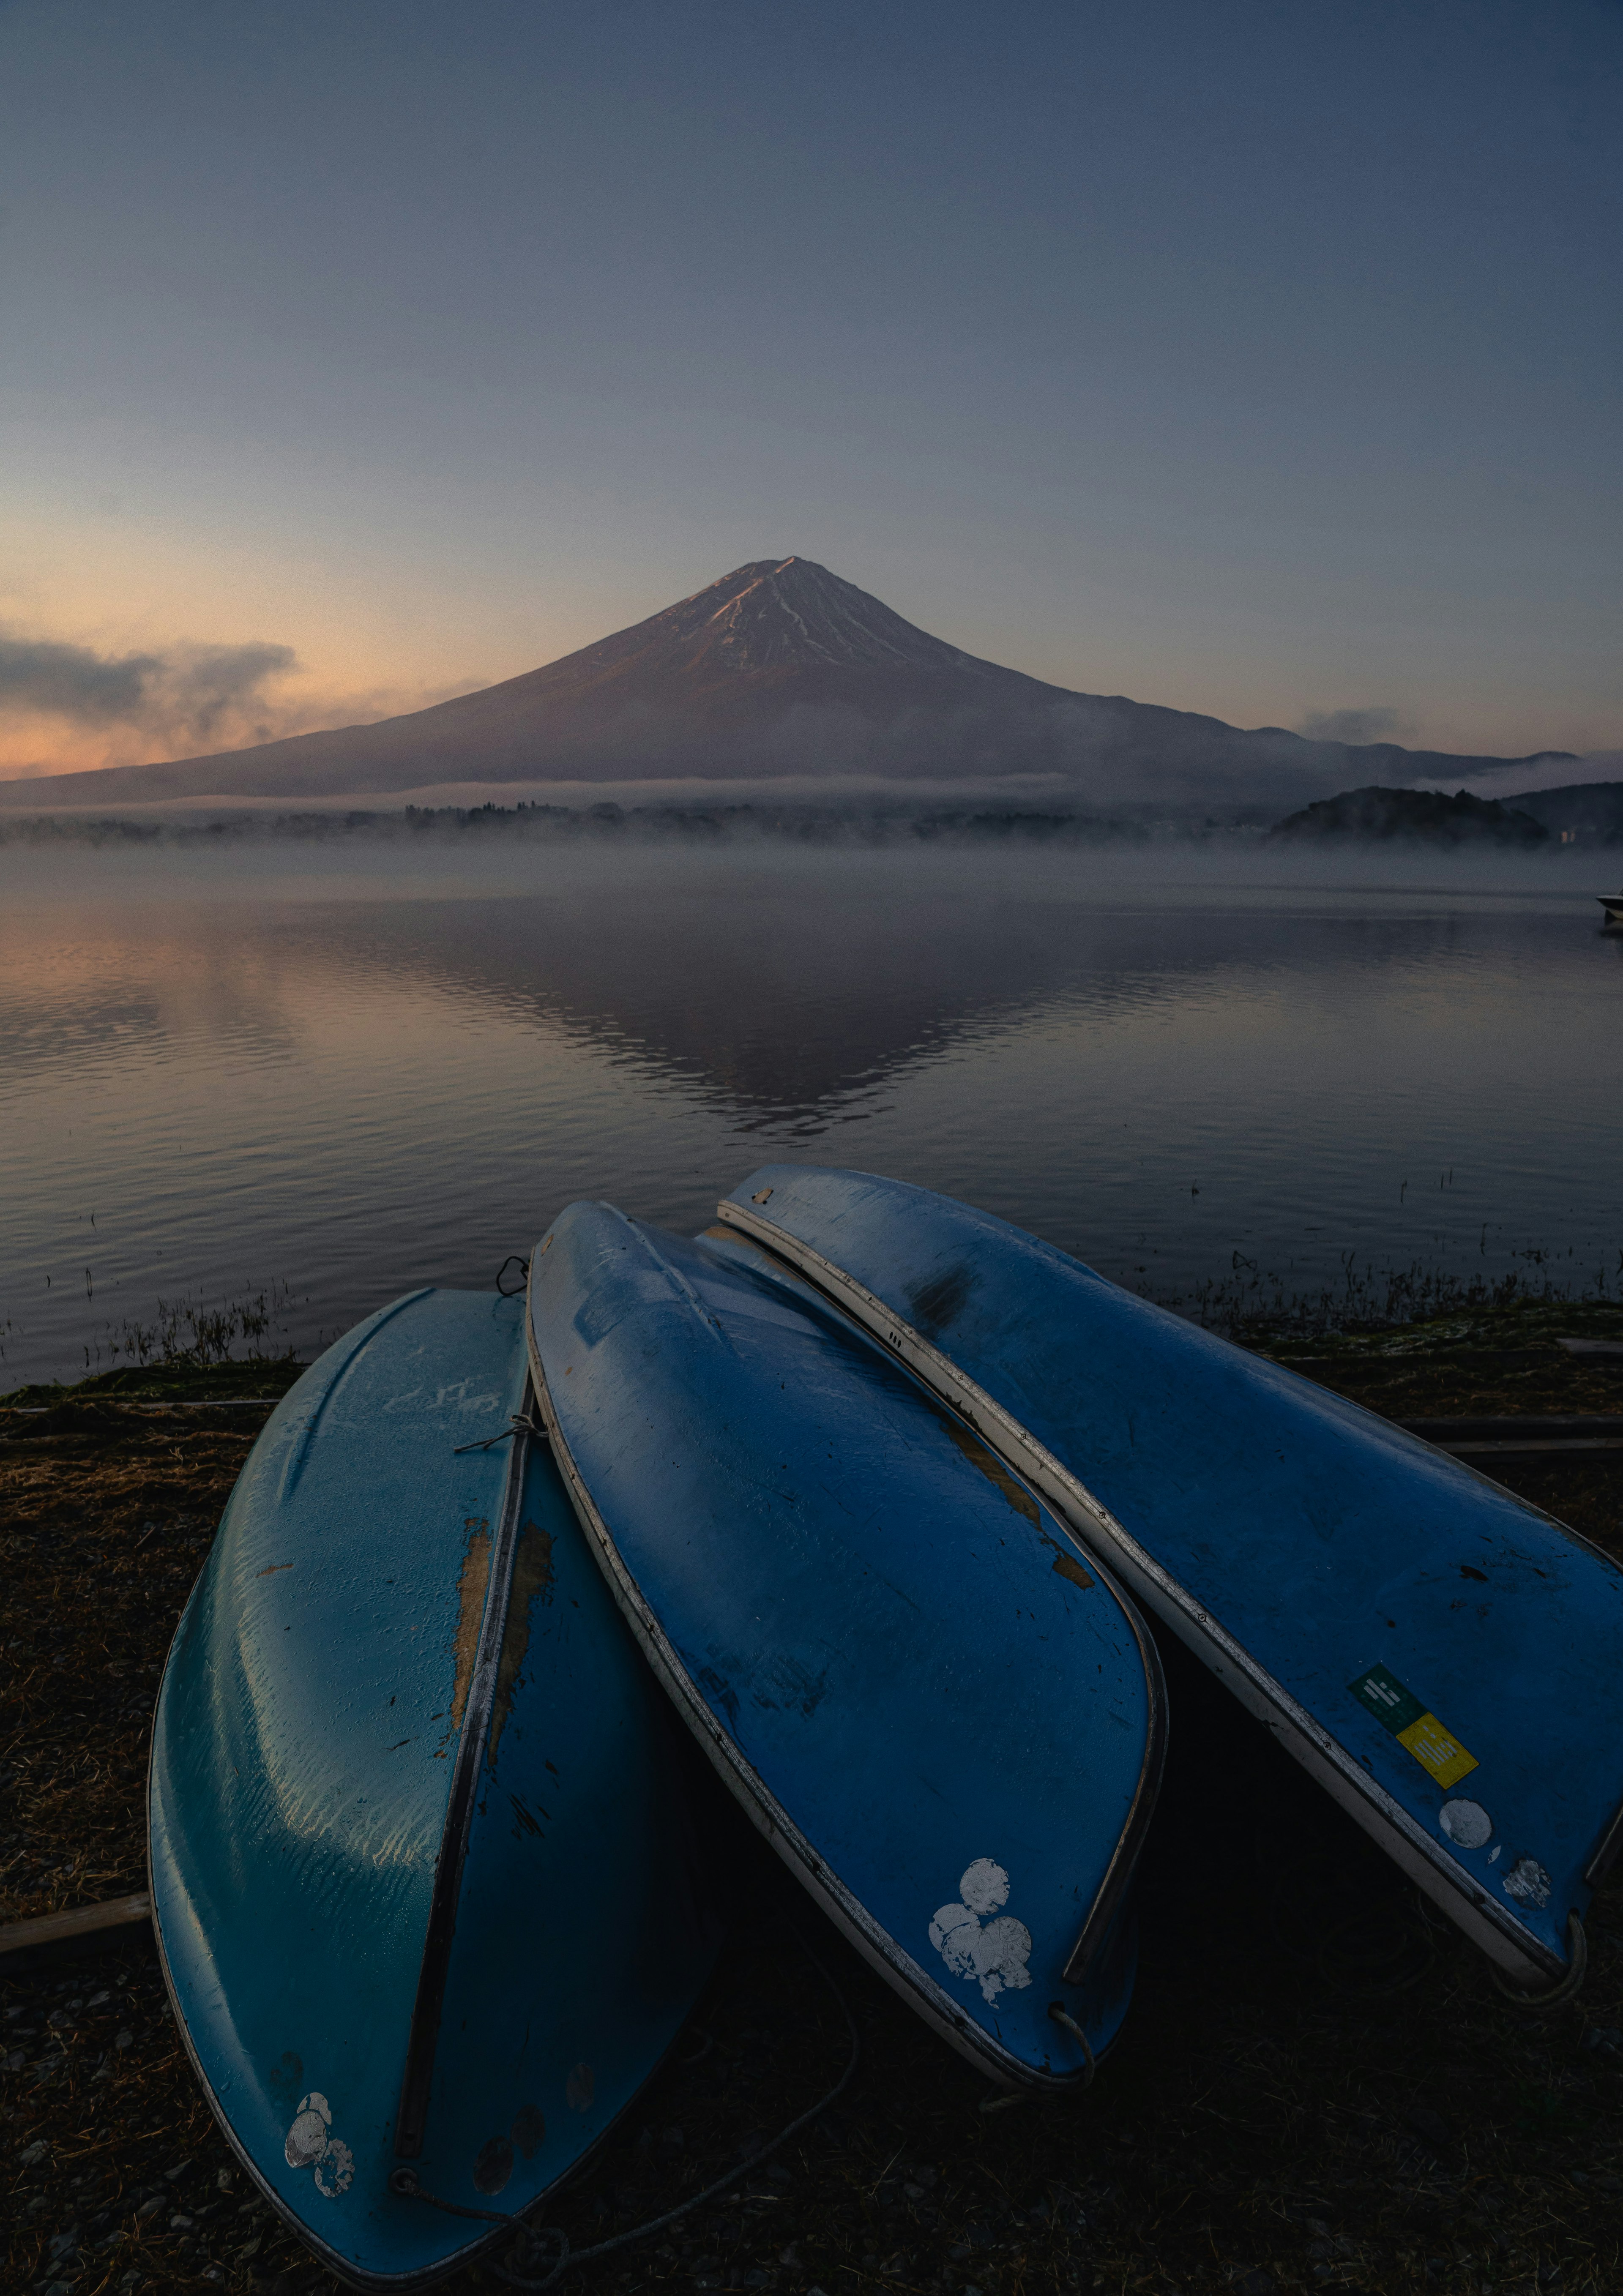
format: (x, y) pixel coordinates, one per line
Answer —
(1301, 2100)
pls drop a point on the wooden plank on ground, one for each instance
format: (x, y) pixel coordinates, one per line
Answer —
(82, 1929)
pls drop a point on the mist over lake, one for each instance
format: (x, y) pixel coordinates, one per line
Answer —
(338, 1074)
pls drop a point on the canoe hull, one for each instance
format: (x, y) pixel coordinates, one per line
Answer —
(323, 1690)
(875, 1633)
(1347, 1582)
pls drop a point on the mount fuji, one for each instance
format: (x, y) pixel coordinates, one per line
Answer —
(779, 668)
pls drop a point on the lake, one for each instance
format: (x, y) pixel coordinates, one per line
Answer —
(336, 1077)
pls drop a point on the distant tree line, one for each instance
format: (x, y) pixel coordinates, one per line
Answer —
(1385, 816)
(1585, 815)
(806, 825)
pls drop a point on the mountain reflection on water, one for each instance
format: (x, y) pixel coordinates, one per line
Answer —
(780, 1006)
(354, 1094)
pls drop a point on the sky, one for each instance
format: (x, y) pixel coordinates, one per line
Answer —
(1262, 359)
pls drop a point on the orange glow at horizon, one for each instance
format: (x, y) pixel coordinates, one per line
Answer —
(382, 624)
(371, 638)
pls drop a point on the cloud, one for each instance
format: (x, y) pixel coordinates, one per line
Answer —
(182, 697)
(1514, 777)
(205, 690)
(1353, 726)
(70, 681)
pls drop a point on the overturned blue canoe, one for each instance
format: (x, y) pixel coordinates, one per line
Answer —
(423, 1875)
(1440, 1654)
(948, 1726)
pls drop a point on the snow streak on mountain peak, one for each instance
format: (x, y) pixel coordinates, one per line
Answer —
(791, 613)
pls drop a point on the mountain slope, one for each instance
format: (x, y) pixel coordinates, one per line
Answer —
(780, 668)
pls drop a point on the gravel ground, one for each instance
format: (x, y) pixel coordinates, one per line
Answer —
(1317, 2089)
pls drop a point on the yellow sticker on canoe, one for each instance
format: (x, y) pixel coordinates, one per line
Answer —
(1396, 1707)
(1435, 1750)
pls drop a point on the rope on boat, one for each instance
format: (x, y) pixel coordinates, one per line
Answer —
(512, 1260)
(520, 1419)
(1564, 1987)
(1062, 2016)
(404, 2183)
(1008, 2099)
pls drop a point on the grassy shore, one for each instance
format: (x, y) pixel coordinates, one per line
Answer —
(1318, 2087)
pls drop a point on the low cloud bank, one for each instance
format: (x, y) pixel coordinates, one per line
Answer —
(1355, 727)
(1513, 779)
(1421, 825)
(70, 709)
(181, 698)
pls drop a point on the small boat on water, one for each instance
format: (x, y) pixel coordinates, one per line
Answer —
(1612, 903)
(946, 1718)
(1439, 1653)
(423, 1879)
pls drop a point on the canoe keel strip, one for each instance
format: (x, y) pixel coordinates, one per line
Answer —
(765, 1495)
(400, 1703)
(474, 1705)
(1496, 1908)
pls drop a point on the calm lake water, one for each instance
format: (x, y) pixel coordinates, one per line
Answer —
(348, 1077)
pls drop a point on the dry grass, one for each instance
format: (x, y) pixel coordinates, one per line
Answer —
(1271, 2119)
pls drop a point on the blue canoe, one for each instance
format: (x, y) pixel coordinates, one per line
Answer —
(423, 1878)
(948, 1726)
(1442, 1656)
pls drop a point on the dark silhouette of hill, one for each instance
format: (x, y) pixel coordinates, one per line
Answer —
(1593, 811)
(1418, 817)
(779, 668)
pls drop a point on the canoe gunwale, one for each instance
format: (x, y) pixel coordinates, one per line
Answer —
(1495, 1928)
(416, 2080)
(1130, 1842)
(877, 1945)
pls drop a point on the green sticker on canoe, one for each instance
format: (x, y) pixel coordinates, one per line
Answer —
(1387, 1699)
